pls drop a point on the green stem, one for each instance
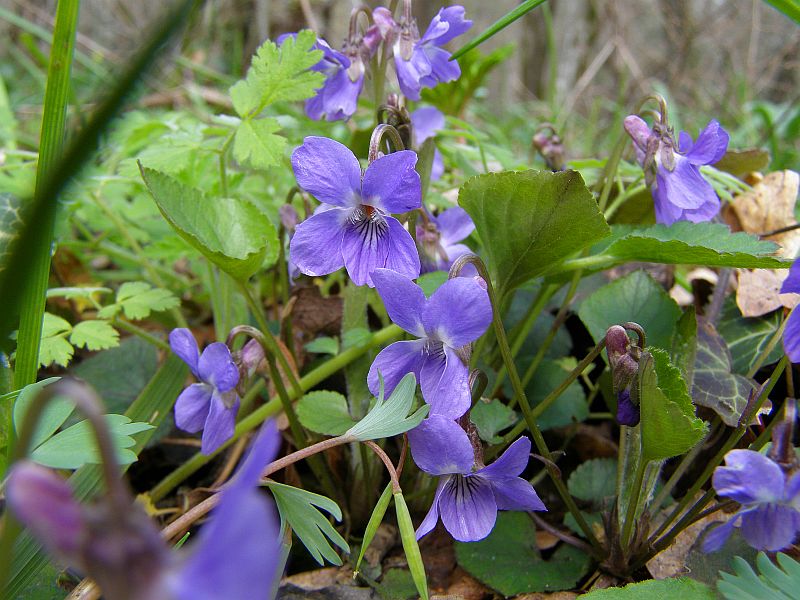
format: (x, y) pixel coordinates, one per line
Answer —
(610, 173)
(137, 250)
(523, 330)
(258, 314)
(54, 119)
(519, 392)
(223, 167)
(622, 199)
(258, 416)
(551, 335)
(733, 439)
(595, 262)
(139, 332)
(630, 515)
(539, 409)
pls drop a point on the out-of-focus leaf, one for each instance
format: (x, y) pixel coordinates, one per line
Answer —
(76, 445)
(684, 345)
(594, 480)
(509, 561)
(742, 162)
(230, 232)
(299, 509)
(635, 297)
(529, 221)
(714, 385)
(669, 425)
(51, 418)
(491, 418)
(10, 224)
(324, 412)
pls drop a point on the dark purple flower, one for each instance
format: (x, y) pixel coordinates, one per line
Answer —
(769, 517)
(237, 551)
(425, 123)
(468, 495)
(457, 314)
(791, 336)
(236, 555)
(353, 227)
(422, 62)
(210, 406)
(673, 170)
(438, 238)
(627, 411)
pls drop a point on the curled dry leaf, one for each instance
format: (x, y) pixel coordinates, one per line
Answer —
(768, 207)
(759, 292)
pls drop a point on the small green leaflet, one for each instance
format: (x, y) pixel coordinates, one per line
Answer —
(75, 446)
(669, 425)
(323, 345)
(324, 412)
(410, 545)
(299, 509)
(594, 480)
(777, 582)
(491, 418)
(137, 299)
(390, 417)
(55, 348)
(276, 74)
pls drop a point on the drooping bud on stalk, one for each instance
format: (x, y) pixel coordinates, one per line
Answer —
(623, 358)
(289, 217)
(782, 451)
(549, 145)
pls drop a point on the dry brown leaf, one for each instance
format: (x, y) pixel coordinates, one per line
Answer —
(759, 292)
(671, 562)
(769, 206)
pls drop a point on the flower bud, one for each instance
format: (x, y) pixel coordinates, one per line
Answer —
(44, 503)
(288, 216)
(624, 365)
(627, 411)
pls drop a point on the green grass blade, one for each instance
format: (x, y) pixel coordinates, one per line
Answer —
(43, 206)
(54, 117)
(791, 8)
(502, 23)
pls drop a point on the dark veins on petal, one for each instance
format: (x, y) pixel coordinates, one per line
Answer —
(369, 224)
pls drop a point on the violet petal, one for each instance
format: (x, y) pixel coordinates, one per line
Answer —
(216, 367)
(192, 406)
(394, 362)
(468, 508)
(404, 300)
(439, 446)
(315, 248)
(185, 347)
(327, 170)
(458, 313)
(392, 184)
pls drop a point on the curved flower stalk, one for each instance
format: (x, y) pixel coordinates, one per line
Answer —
(425, 123)
(769, 517)
(422, 62)
(353, 227)
(672, 170)
(337, 99)
(457, 314)
(791, 336)
(469, 494)
(236, 555)
(439, 237)
(212, 405)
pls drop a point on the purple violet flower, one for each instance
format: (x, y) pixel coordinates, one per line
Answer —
(769, 517)
(352, 228)
(457, 314)
(236, 555)
(425, 123)
(422, 62)
(469, 495)
(210, 406)
(237, 551)
(673, 170)
(791, 336)
(438, 239)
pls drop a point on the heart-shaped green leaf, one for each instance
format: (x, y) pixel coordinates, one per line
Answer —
(230, 232)
(529, 221)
